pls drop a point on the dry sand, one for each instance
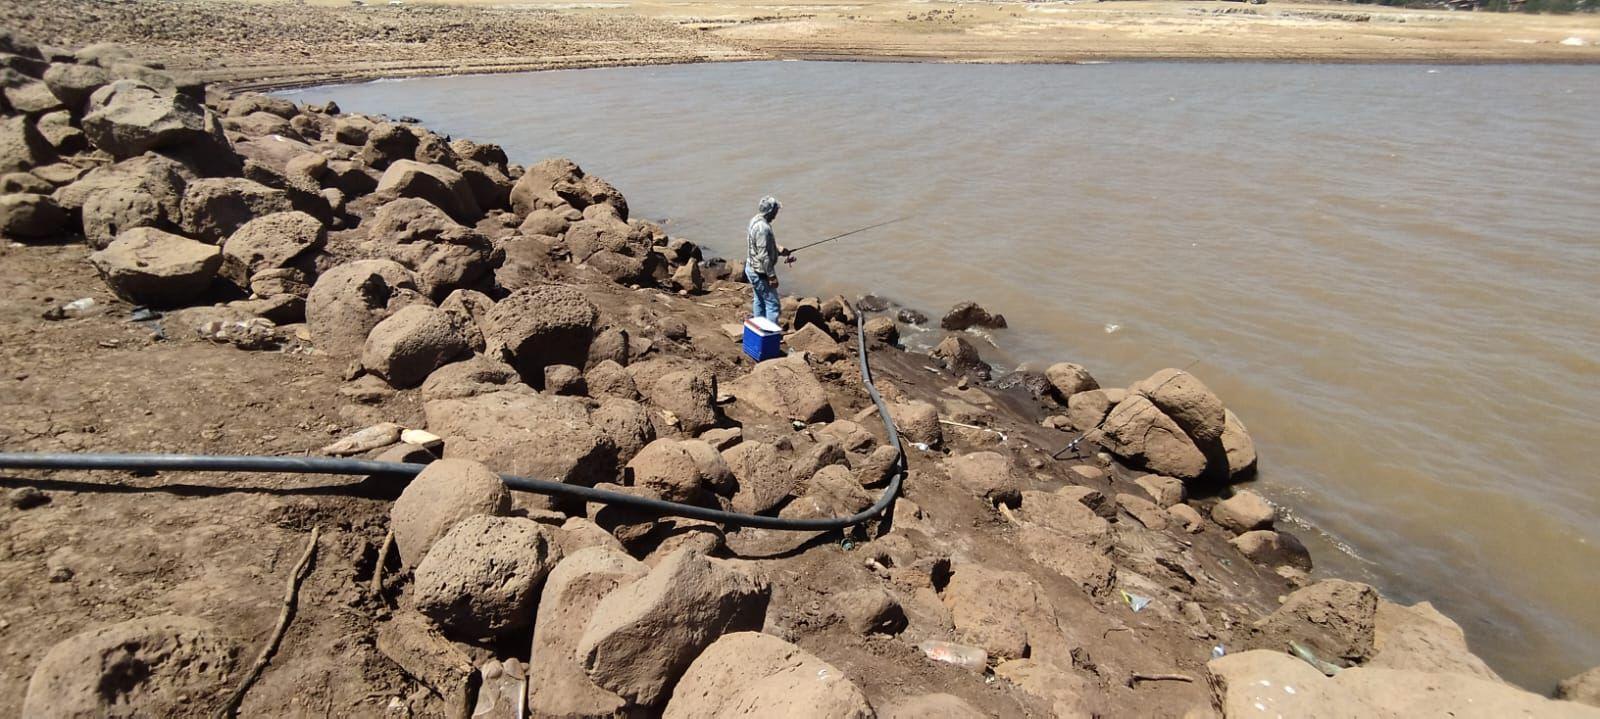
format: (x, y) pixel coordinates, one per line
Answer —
(276, 44)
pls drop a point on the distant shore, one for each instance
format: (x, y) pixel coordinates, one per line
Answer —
(276, 45)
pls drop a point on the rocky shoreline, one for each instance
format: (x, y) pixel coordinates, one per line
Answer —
(271, 273)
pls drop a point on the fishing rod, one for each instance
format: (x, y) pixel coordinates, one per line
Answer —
(847, 234)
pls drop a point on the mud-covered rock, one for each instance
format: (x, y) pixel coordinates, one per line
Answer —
(644, 635)
(669, 469)
(990, 475)
(1418, 637)
(1334, 618)
(1245, 511)
(1004, 613)
(151, 267)
(917, 421)
(763, 478)
(444, 493)
(1583, 688)
(168, 666)
(1166, 492)
(483, 576)
(1274, 549)
(749, 674)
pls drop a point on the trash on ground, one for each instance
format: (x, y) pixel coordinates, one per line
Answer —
(1136, 602)
(960, 655)
(1311, 658)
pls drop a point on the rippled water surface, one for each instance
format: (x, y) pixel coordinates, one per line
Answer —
(1391, 273)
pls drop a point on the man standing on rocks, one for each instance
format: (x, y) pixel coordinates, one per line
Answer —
(761, 264)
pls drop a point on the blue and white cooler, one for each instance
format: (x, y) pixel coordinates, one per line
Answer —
(762, 339)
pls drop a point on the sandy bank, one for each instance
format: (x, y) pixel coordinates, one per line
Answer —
(278, 44)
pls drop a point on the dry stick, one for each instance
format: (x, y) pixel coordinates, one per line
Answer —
(383, 558)
(289, 595)
(1140, 676)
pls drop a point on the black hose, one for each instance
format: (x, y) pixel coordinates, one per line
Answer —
(329, 465)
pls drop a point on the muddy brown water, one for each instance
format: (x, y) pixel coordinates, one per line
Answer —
(1391, 273)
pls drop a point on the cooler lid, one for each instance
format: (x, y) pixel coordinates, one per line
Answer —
(763, 325)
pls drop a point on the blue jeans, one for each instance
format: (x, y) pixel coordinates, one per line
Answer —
(766, 298)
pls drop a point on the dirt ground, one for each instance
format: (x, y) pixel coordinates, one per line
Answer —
(256, 45)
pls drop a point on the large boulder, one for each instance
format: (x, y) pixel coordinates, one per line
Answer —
(1245, 511)
(444, 254)
(749, 674)
(349, 300)
(644, 635)
(130, 118)
(27, 215)
(784, 387)
(498, 428)
(1334, 618)
(437, 184)
(151, 267)
(410, 344)
(21, 146)
(114, 210)
(32, 99)
(960, 357)
(167, 666)
(558, 685)
(557, 182)
(541, 326)
(917, 421)
(990, 475)
(270, 242)
(216, 207)
(969, 314)
(483, 577)
(1238, 447)
(1187, 400)
(1258, 683)
(384, 143)
(471, 377)
(626, 423)
(608, 379)
(763, 478)
(444, 493)
(669, 469)
(1086, 410)
(1137, 431)
(690, 395)
(1067, 379)
(1418, 637)
(58, 129)
(74, 83)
